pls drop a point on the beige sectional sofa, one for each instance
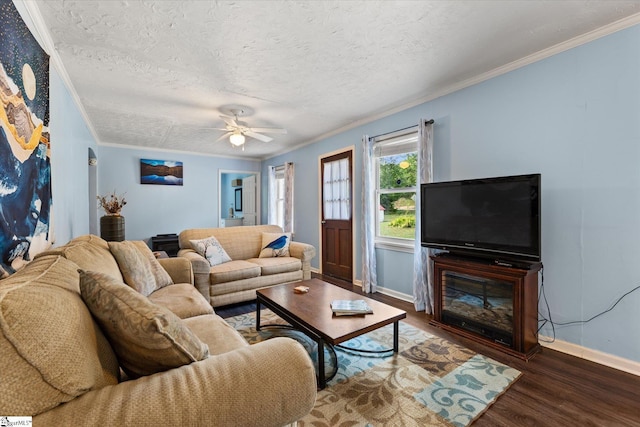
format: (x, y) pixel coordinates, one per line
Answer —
(61, 363)
(237, 280)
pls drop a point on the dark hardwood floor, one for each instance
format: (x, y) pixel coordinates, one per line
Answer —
(555, 389)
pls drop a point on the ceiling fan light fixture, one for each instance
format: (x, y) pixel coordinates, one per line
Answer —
(236, 139)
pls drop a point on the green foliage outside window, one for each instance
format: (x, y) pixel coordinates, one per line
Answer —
(399, 208)
(403, 222)
(393, 176)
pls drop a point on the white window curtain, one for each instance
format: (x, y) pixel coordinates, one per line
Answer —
(337, 190)
(288, 197)
(272, 213)
(422, 268)
(369, 214)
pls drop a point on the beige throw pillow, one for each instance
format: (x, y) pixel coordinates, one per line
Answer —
(211, 249)
(275, 245)
(160, 274)
(134, 267)
(146, 338)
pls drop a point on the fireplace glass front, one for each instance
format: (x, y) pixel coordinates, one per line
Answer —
(478, 304)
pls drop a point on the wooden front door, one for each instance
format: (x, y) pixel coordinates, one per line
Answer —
(337, 216)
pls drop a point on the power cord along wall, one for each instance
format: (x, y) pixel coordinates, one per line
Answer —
(543, 297)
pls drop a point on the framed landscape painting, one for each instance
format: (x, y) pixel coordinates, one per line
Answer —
(162, 172)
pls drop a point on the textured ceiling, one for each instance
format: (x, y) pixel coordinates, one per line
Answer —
(156, 74)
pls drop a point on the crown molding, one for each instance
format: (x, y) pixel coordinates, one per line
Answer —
(170, 150)
(614, 27)
(42, 34)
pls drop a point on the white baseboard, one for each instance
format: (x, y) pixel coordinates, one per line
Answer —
(395, 294)
(596, 356)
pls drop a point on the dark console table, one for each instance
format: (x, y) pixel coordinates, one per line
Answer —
(496, 305)
(167, 243)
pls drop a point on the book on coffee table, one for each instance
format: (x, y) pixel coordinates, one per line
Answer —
(350, 307)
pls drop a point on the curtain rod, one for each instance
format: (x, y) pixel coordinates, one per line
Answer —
(428, 122)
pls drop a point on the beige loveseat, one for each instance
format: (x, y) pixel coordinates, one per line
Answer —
(237, 280)
(60, 366)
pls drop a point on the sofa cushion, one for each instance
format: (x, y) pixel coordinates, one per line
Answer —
(90, 252)
(233, 270)
(135, 268)
(51, 349)
(275, 245)
(216, 333)
(146, 337)
(211, 249)
(161, 275)
(183, 299)
(277, 265)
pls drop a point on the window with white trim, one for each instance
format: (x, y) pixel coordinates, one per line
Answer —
(396, 166)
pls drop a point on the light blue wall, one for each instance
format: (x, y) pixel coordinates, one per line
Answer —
(574, 118)
(160, 209)
(70, 142)
(394, 271)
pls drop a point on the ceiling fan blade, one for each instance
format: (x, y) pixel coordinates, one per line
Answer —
(223, 136)
(268, 130)
(258, 136)
(224, 129)
(230, 121)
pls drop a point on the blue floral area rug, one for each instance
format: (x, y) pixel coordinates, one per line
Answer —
(429, 382)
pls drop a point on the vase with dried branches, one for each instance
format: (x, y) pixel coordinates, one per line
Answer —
(112, 203)
(112, 223)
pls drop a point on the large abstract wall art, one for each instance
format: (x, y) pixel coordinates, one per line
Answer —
(25, 168)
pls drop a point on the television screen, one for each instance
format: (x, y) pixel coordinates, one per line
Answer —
(497, 217)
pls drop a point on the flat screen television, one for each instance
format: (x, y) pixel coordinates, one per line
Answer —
(489, 217)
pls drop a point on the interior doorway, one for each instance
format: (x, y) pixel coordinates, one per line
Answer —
(336, 218)
(238, 198)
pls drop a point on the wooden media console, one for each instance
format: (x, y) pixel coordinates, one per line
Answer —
(493, 304)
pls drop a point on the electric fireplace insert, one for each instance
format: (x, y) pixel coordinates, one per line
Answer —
(480, 305)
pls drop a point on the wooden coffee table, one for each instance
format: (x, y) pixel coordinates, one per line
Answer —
(311, 314)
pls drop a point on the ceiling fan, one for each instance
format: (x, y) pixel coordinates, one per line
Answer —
(237, 130)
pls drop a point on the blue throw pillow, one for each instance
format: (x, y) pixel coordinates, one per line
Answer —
(275, 245)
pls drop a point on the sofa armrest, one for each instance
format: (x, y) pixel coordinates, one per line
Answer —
(179, 269)
(305, 252)
(271, 383)
(201, 270)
